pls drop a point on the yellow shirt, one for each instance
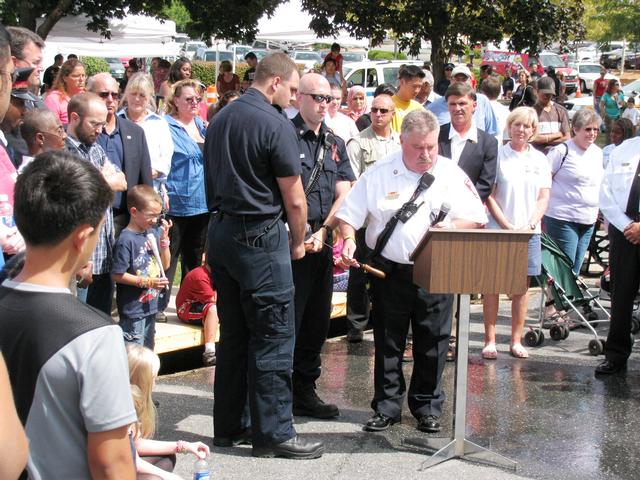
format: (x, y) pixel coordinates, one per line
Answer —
(402, 108)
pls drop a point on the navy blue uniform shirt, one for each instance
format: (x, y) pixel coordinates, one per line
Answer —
(248, 145)
(336, 167)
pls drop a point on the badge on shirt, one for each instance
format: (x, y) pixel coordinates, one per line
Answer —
(392, 196)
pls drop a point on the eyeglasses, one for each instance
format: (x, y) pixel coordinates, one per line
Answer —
(319, 98)
(58, 133)
(105, 95)
(381, 110)
(193, 99)
(97, 125)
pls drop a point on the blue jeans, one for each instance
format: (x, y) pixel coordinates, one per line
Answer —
(139, 330)
(573, 238)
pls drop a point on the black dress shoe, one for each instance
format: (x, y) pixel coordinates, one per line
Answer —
(607, 367)
(295, 448)
(429, 424)
(379, 422)
(354, 335)
(242, 438)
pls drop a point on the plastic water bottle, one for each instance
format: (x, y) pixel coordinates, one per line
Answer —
(6, 211)
(201, 470)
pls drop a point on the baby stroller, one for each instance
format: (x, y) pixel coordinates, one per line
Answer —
(569, 293)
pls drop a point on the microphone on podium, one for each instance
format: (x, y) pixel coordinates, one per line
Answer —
(444, 211)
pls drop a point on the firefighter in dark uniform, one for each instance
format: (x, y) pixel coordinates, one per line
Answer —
(252, 176)
(326, 177)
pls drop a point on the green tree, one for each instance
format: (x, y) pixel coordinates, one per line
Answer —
(613, 20)
(177, 12)
(25, 13)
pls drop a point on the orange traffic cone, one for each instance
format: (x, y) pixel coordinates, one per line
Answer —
(578, 91)
(212, 94)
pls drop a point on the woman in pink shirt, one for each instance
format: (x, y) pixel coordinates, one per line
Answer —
(70, 81)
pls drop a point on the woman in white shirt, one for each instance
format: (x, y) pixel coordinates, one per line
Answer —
(517, 202)
(576, 171)
(139, 107)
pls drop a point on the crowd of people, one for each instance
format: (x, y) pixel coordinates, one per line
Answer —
(289, 187)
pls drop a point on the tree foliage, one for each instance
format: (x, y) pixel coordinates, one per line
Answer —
(177, 12)
(613, 20)
(24, 13)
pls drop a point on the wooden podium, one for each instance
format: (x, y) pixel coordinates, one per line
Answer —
(465, 262)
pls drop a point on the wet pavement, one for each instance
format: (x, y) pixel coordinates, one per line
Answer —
(548, 413)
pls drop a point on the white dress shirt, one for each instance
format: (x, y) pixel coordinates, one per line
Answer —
(383, 189)
(458, 142)
(616, 185)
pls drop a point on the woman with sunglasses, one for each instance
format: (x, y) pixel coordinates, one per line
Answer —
(138, 106)
(70, 81)
(576, 174)
(185, 184)
(610, 104)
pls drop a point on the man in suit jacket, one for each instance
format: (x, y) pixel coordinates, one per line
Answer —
(125, 145)
(472, 149)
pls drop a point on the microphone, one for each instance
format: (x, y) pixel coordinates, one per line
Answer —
(426, 181)
(444, 211)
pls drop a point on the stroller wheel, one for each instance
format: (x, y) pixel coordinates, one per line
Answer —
(540, 337)
(565, 331)
(556, 332)
(595, 347)
(635, 324)
(531, 338)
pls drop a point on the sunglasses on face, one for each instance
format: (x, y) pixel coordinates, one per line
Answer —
(320, 98)
(381, 110)
(105, 95)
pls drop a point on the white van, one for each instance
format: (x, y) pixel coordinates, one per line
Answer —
(370, 74)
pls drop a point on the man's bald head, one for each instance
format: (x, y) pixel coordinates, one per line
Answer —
(313, 87)
(99, 81)
(42, 130)
(382, 109)
(104, 85)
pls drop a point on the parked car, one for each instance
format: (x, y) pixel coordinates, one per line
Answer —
(189, 49)
(632, 60)
(370, 74)
(548, 59)
(631, 89)
(209, 55)
(308, 58)
(613, 58)
(353, 56)
(588, 73)
(240, 50)
(501, 61)
(116, 68)
(576, 104)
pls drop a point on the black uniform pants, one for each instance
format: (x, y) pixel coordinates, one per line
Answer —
(187, 236)
(398, 303)
(624, 260)
(252, 274)
(313, 280)
(358, 302)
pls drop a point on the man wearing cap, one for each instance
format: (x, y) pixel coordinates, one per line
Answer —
(427, 95)
(443, 83)
(553, 119)
(21, 101)
(484, 117)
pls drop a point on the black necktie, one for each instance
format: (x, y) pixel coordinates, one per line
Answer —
(634, 196)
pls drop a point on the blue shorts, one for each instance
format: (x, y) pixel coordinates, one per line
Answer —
(534, 266)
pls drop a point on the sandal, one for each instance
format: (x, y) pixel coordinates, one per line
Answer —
(489, 352)
(518, 351)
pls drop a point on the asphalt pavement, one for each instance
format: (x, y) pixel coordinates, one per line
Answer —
(548, 413)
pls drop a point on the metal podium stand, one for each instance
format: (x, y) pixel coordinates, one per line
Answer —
(465, 262)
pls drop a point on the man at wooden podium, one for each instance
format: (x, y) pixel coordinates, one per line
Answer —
(399, 200)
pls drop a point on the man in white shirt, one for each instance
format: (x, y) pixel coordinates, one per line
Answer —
(371, 145)
(375, 198)
(491, 88)
(619, 203)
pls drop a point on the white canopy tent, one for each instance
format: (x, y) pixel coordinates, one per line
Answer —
(290, 23)
(132, 36)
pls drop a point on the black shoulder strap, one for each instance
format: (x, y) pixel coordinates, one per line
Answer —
(327, 141)
(564, 157)
(425, 182)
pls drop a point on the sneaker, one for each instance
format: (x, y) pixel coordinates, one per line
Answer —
(209, 359)
(161, 317)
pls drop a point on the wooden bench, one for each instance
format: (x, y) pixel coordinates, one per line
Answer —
(175, 335)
